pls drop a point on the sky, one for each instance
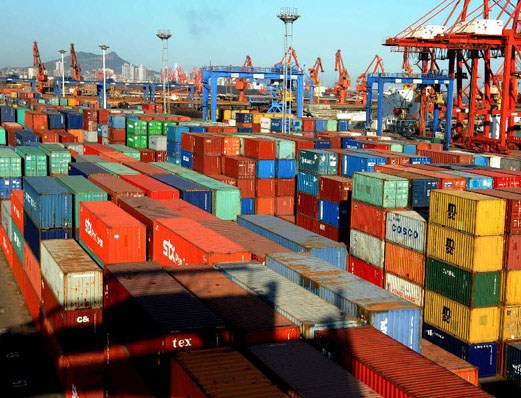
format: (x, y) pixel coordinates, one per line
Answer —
(220, 32)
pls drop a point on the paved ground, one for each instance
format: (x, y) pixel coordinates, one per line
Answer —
(26, 367)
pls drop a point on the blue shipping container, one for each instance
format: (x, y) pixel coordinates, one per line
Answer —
(286, 168)
(513, 362)
(335, 214)
(7, 114)
(186, 159)
(117, 121)
(349, 143)
(197, 129)
(295, 238)
(56, 120)
(276, 125)
(244, 130)
(244, 117)
(343, 125)
(173, 133)
(73, 120)
(420, 160)
(7, 184)
(48, 203)
(173, 148)
(247, 206)
(25, 138)
(265, 168)
(409, 149)
(352, 163)
(190, 192)
(322, 144)
(421, 189)
(33, 235)
(296, 124)
(174, 159)
(481, 160)
(307, 183)
(86, 169)
(320, 125)
(474, 181)
(483, 355)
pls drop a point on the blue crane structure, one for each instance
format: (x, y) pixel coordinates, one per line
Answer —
(16, 79)
(427, 79)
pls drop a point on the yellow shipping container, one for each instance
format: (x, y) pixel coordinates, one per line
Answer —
(469, 212)
(510, 322)
(14, 94)
(227, 114)
(511, 287)
(477, 325)
(474, 253)
(257, 117)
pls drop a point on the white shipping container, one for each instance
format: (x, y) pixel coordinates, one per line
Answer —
(7, 220)
(367, 248)
(74, 278)
(90, 136)
(74, 147)
(404, 289)
(232, 123)
(494, 161)
(265, 123)
(406, 228)
(158, 142)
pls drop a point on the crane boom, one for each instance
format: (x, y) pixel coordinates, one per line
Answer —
(241, 84)
(41, 71)
(76, 69)
(314, 75)
(377, 64)
(344, 80)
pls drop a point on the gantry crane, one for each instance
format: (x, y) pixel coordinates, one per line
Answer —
(241, 84)
(377, 65)
(469, 37)
(344, 80)
(41, 71)
(76, 70)
(314, 76)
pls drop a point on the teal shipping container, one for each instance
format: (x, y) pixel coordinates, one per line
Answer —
(382, 190)
(318, 162)
(10, 163)
(34, 161)
(58, 158)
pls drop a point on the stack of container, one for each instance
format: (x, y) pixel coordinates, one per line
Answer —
(90, 125)
(206, 154)
(10, 172)
(312, 164)
(374, 195)
(173, 146)
(58, 158)
(242, 170)
(334, 207)
(463, 279)
(34, 161)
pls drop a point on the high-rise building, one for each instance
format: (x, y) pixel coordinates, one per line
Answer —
(141, 73)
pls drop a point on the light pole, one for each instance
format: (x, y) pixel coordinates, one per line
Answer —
(62, 52)
(104, 48)
(164, 35)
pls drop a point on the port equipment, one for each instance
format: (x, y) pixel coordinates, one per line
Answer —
(344, 80)
(210, 74)
(241, 84)
(314, 77)
(164, 35)
(62, 53)
(377, 65)
(41, 71)
(470, 34)
(17, 79)
(76, 70)
(423, 80)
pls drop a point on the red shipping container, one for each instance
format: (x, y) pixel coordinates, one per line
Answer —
(183, 241)
(330, 232)
(247, 187)
(391, 157)
(187, 141)
(290, 219)
(239, 167)
(258, 148)
(224, 179)
(231, 146)
(116, 187)
(47, 136)
(512, 255)
(17, 208)
(307, 204)
(513, 208)
(67, 137)
(309, 223)
(366, 271)
(32, 270)
(446, 156)
(187, 210)
(103, 116)
(111, 233)
(368, 219)
(334, 188)
(370, 356)
(153, 188)
(117, 157)
(96, 149)
(90, 119)
(147, 155)
(32, 301)
(284, 205)
(145, 168)
(308, 124)
(78, 133)
(265, 206)
(207, 145)
(206, 164)
(500, 180)
(265, 187)
(161, 156)
(7, 247)
(36, 120)
(117, 135)
(376, 145)
(285, 187)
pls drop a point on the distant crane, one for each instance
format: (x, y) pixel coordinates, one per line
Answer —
(76, 70)
(344, 80)
(314, 76)
(292, 55)
(377, 65)
(180, 75)
(41, 71)
(197, 79)
(242, 84)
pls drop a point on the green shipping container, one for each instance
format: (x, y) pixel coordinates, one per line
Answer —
(83, 191)
(381, 190)
(155, 127)
(10, 163)
(63, 102)
(284, 149)
(318, 162)
(332, 125)
(34, 161)
(58, 158)
(125, 150)
(117, 169)
(473, 289)
(20, 116)
(136, 126)
(137, 141)
(165, 126)
(3, 136)
(396, 147)
(18, 242)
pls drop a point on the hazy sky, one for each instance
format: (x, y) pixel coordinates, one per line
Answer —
(220, 31)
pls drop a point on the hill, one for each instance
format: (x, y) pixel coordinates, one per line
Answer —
(89, 61)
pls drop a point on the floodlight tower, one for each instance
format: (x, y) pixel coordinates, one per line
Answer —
(288, 16)
(62, 52)
(164, 35)
(104, 48)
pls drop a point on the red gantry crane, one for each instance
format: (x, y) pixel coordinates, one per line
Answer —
(344, 80)
(377, 65)
(314, 76)
(469, 34)
(41, 71)
(76, 70)
(242, 84)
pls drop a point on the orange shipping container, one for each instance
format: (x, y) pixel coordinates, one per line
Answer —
(265, 187)
(405, 263)
(265, 206)
(36, 120)
(284, 206)
(33, 271)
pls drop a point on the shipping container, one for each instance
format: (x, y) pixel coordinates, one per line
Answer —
(513, 209)
(511, 287)
(186, 210)
(406, 228)
(335, 188)
(8, 184)
(58, 158)
(513, 362)
(191, 192)
(291, 363)
(34, 161)
(33, 271)
(334, 214)
(382, 190)
(474, 181)
(510, 322)
(10, 163)
(359, 162)
(239, 167)
(295, 238)
(112, 234)
(258, 148)
(366, 271)
(370, 356)
(367, 248)
(473, 253)
(406, 263)
(117, 169)
(471, 325)
(368, 219)
(307, 204)
(308, 183)
(301, 307)
(318, 162)
(152, 187)
(404, 289)
(468, 212)
(500, 180)
(116, 187)
(86, 169)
